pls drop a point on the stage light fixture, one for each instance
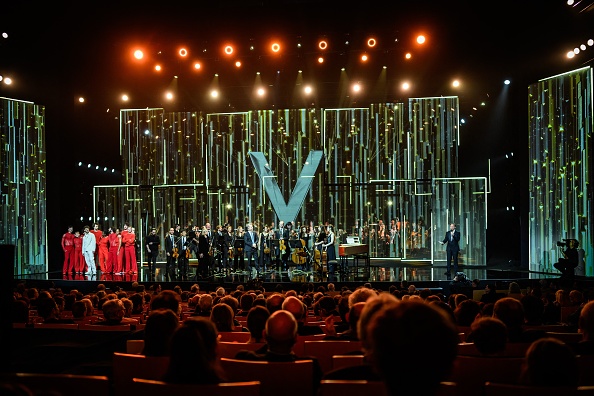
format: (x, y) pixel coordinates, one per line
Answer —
(275, 47)
(320, 60)
(570, 54)
(507, 82)
(97, 167)
(81, 218)
(7, 80)
(157, 67)
(89, 166)
(364, 58)
(125, 98)
(169, 96)
(371, 42)
(583, 47)
(105, 169)
(80, 100)
(80, 164)
(90, 218)
(138, 54)
(576, 50)
(323, 45)
(308, 89)
(356, 87)
(570, 2)
(197, 66)
(228, 50)
(405, 86)
(4, 35)
(421, 39)
(113, 170)
(408, 55)
(183, 52)
(298, 45)
(1, 77)
(455, 83)
(146, 132)
(105, 218)
(237, 64)
(590, 42)
(462, 121)
(261, 92)
(214, 93)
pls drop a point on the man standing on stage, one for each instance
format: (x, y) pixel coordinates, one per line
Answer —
(98, 235)
(182, 260)
(89, 245)
(452, 239)
(203, 254)
(170, 243)
(68, 248)
(250, 240)
(152, 248)
(222, 241)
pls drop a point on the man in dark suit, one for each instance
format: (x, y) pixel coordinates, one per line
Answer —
(152, 248)
(203, 254)
(170, 241)
(183, 250)
(452, 239)
(283, 251)
(250, 249)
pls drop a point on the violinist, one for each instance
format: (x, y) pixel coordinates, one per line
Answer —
(172, 254)
(203, 254)
(264, 248)
(283, 251)
(184, 253)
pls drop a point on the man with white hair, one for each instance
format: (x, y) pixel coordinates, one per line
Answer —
(89, 244)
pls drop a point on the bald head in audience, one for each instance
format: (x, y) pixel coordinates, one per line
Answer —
(274, 302)
(294, 306)
(281, 332)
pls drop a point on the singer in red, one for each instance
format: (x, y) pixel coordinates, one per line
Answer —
(98, 235)
(452, 240)
(103, 252)
(68, 248)
(129, 241)
(79, 263)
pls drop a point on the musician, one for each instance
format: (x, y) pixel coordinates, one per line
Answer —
(177, 231)
(170, 246)
(283, 250)
(250, 240)
(203, 254)
(193, 233)
(98, 235)
(209, 232)
(222, 241)
(152, 248)
(183, 248)
(239, 251)
(330, 247)
(264, 251)
(452, 239)
(68, 248)
(383, 241)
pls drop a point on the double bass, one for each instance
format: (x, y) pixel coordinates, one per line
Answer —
(298, 255)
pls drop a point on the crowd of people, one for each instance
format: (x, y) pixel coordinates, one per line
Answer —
(400, 329)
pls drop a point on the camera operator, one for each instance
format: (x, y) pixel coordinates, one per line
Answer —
(570, 259)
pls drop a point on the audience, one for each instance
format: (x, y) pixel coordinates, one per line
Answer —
(550, 363)
(160, 326)
(222, 317)
(193, 353)
(489, 336)
(586, 327)
(256, 322)
(511, 313)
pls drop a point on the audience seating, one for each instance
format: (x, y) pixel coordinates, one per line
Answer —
(299, 346)
(511, 349)
(237, 336)
(352, 388)
(288, 379)
(94, 327)
(567, 338)
(60, 384)
(134, 347)
(67, 326)
(341, 361)
(471, 372)
(497, 389)
(158, 388)
(127, 366)
(229, 349)
(586, 368)
(324, 350)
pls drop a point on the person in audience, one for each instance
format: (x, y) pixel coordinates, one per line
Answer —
(550, 363)
(160, 326)
(281, 335)
(167, 299)
(297, 308)
(510, 311)
(491, 295)
(533, 310)
(361, 294)
(274, 302)
(48, 310)
(489, 336)
(246, 302)
(79, 311)
(113, 314)
(352, 319)
(256, 323)
(89, 305)
(586, 327)
(514, 291)
(137, 303)
(466, 312)
(19, 312)
(222, 317)
(420, 332)
(193, 353)
(204, 306)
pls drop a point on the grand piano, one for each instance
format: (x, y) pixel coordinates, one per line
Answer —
(357, 251)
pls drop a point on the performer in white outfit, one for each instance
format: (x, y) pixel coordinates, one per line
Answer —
(89, 244)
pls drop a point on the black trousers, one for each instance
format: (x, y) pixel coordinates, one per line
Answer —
(152, 262)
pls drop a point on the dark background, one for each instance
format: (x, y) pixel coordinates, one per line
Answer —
(56, 53)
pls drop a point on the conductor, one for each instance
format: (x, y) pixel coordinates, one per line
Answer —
(452, 239)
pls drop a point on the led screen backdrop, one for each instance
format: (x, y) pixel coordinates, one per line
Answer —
(386, 163)
(560, 110)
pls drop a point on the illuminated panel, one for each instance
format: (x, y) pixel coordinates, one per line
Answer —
(560, 135)
(23, 210)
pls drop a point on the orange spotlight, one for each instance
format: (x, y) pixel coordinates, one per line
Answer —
(323, 45)
(237, 64)
(421, 39)
(364, 58)
(320, 60)
(261, 91)
(183, 52)
(455, 83)
(275, 47)
(228, 50)
(371, 42)
(157, 67)
(408, 55)
(138, 54)
(197, 65)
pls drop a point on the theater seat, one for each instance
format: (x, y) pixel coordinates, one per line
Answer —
(128, 366)
(229, 349)
(288, 379)
(324, 350)
(496, 389)
(60, 384)
(158, 388)
(471, 372)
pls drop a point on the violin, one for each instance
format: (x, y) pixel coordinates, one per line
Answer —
(175, 253)
(282, 247)
(188, 254)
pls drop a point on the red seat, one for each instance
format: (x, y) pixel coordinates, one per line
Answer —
(324, 350)
(127, 366)
(229, 349)
(60, 384)
(158, 388)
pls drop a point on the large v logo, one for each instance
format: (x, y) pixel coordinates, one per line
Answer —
(287, 212)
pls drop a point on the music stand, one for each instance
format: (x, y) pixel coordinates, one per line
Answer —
(295, 244)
